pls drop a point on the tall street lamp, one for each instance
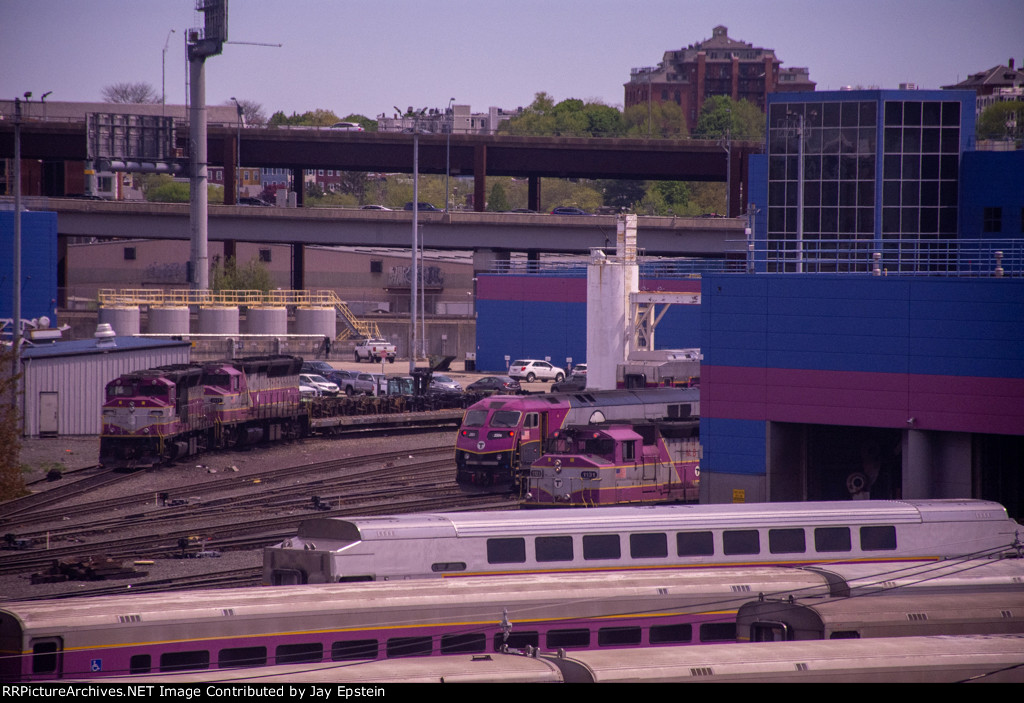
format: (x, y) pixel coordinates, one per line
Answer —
(238, 154)
(163, 74)
(448, 152)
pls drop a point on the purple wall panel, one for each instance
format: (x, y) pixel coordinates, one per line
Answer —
(947, 403)
(532, 288)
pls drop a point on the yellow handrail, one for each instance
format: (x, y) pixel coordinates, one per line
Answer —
(247, 298)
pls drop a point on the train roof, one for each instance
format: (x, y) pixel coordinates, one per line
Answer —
(585, 398)
(661, 517)
(151, 609)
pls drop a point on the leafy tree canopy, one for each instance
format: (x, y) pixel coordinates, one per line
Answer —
(721, 116)
(229, 276)
(130, 93)
(1001, 121)
(310, 118)
(570, 118)
(497, 202)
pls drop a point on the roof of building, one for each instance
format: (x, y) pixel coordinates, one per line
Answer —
(995, 77)
(78, 347)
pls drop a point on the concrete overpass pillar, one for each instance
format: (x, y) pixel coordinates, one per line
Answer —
(298, 266)
(738, 176)
(534, 195)
(230, 171)
(230, 250)
(480, 177)
(299, 184)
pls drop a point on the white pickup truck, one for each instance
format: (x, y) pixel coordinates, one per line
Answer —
(375, 350)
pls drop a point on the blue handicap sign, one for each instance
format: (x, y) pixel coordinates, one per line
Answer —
(96, 665)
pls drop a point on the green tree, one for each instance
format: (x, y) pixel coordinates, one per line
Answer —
(368, 124)
(497, 202)
(12, 483)
(721, 116)
(1003, 120)
(666, 121)
(229, 276)
(311, 118)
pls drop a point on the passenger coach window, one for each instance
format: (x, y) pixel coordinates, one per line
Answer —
(139, 664)
(510, 550)
(618, 636)
(786, 541)
(45, 657)
(649, 545)
(718, 632)
(517, 640)
(354, 649)
(409, 647)
(242, 656)
(299, 653)
(671, 634)
(568, 638)
(741, 542)
(832, 539)
(879, 538)
(553, 548)
(694, 544)
(463, 644)
(180, 661)
(601, 547)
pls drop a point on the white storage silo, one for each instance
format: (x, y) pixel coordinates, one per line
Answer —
(171, 319)
(267, 320)
(217, 319)
(124, 319)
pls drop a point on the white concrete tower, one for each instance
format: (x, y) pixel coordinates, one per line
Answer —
(610, 281)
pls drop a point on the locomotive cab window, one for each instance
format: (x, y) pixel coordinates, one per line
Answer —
(531, 420)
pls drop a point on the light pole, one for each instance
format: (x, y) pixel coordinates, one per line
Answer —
(238, 154)
(163, 74)
(448, 152)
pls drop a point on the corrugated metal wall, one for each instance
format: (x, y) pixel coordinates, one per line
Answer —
(79, 381)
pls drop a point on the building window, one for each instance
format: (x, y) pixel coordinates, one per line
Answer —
(265, 256)
(129, 253)
(376, 266)
(993, 220)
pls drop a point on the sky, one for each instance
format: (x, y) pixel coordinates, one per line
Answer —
(371, 56)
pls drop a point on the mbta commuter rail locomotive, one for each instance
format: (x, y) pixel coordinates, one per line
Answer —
(425, 545)
(502, 436)
(222, 629)
(614, 464)
(175, 411)
(169, 412)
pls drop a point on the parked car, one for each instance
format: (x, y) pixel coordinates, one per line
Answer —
(495, 384)
(440, 382)
(319, 367)
(348, 126)
(308, 392)
(253, 202)
(375, 207)
(424, 207)
(579, 369)
(570, 385)
(569, 211)
(531, 370)
(353, 382)
(319, 382)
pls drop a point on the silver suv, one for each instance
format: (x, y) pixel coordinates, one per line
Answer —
(531, 370)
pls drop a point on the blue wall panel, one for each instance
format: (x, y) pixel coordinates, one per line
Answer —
(38, 264)
(733, 446)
